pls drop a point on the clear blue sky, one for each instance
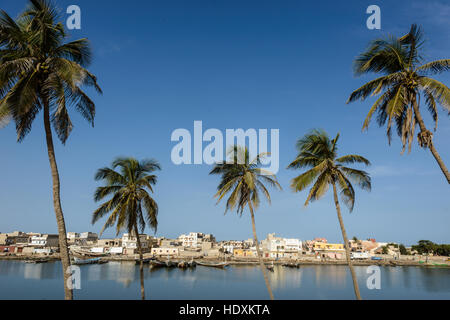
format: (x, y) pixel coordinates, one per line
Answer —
(234, 64)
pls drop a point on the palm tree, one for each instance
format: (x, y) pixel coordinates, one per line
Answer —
(243, 179)
(403, 82)
(130, 207)
(319, 154)
(40, 71)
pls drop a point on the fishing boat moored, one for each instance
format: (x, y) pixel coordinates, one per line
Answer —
(171, 264)
(77, 261)
(270, 267)
(156, 264)
(213, 264)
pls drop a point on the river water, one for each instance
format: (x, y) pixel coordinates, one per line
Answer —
(120, 280)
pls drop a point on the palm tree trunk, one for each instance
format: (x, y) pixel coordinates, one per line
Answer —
(430, 144)
(347, 249)
(63, 248)
(141, 265)
(258, 251)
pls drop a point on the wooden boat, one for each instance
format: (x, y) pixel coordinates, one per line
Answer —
(183, 265)
(192, 264)
(37, 261)
(42, 260)
(145, 261)
(212, 264)
(156, 264)
(376, 258)
(77, 261)
(88, 253)
(291, 265)
(171, 264)
(440, 264)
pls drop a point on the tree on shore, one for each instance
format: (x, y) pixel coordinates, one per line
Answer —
(318, 153)
(244, 180)
(402, 249)
(39, 71)
(130, 205)
(403, 83)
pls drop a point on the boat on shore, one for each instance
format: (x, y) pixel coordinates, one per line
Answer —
(187, 264)
(43, 260)
(213, 264)
(84, 253)
(192, 264)
(291, 265)
(144, 261)
(77, 261)
(154, 264)
(171, 264)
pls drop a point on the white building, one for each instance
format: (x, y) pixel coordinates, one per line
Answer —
(167, 251)
(88, 236)
(195, 239)
(72, 236)
(130, 241)
(292, 245)
(45, 240)
(277, 247)
(228, 248)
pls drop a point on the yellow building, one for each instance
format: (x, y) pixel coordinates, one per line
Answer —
(321, 246)
(239, 253)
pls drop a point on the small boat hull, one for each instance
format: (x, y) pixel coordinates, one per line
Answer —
(214, 265)
(88, 261)
(156, 264)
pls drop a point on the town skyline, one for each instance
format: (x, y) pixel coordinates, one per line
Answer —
(112, 235)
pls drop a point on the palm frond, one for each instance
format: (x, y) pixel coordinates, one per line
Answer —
(434, 67)
(353, 158)
(439, 91)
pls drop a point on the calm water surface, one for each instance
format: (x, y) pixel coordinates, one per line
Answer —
(120, 280)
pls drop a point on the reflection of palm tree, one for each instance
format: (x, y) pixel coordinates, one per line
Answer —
(318, 153)
(243, 180)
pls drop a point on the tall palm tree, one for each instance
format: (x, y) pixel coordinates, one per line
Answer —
(243, 179)
(131, 207)
(402, 83)
(319, 154)
(39, 71)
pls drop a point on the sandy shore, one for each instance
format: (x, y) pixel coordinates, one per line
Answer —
(300, 262)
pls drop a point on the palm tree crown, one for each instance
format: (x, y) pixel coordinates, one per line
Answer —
(38, 69)
(404, 80)
(318, 153)
(130, 204)
(244, 179)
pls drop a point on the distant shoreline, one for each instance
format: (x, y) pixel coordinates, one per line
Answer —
(237, 262)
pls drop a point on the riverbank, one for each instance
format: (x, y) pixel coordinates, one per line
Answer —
(233, 261)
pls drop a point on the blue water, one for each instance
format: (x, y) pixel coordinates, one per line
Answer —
(120, 280)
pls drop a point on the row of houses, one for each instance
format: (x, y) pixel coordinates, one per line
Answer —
(193, 243)
(28, 243)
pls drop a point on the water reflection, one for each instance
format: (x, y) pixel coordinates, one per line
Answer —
(239, 282)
